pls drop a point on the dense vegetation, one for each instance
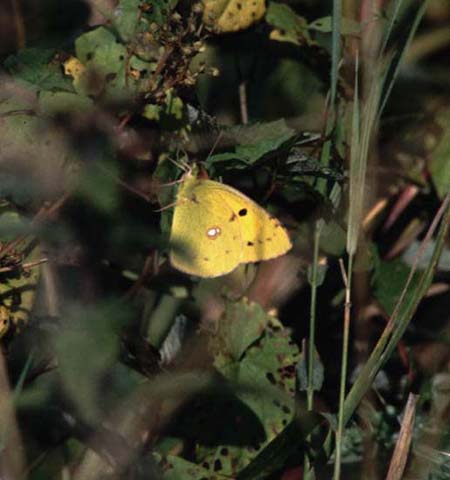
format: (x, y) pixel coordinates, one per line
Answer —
(329, 362)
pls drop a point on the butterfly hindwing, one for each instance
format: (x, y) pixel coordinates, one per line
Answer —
(263, 237)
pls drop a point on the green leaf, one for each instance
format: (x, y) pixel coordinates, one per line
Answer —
(11, 223)
(100, 190)
(52, 103)
(161, 11)
(289, 444)
(90, 337)
(30, 138)
(35, 67)
(176, 468)
(254, 142)
(440, 159)
(289, 27)
(126, 18)
(170, 114)
(333, 239)
(105, 61)
(237, 332)
(302, 372)
(266, 377)
(131, 17)
(388, 280)
(324, 25)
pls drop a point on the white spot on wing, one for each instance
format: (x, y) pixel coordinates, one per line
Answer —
(213, 232)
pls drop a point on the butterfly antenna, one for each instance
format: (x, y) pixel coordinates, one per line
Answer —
(166, 207)
(182, 165)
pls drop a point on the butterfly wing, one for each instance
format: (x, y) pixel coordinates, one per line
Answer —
(263, 236)
(204, 241)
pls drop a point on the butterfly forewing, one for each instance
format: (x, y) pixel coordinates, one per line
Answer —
(263, 236)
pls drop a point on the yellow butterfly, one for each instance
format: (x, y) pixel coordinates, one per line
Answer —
(215, 228)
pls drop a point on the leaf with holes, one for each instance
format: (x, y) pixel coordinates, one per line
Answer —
(223, 16)
(265, 382)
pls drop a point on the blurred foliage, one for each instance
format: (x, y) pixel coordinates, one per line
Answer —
(121, 367)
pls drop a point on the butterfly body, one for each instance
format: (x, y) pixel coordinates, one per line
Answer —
(215, 228)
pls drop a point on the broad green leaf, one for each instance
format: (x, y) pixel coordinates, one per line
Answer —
(265, 377)
(254, 142)
(30, 138)
(176, 468)
(89, 337)
(132, 17)
(126, 18)
(388, 280)
(161, 10)
(36, 67)
(332, 239)
(237, 332)
(99, 188)
(52, 103)
(105, 62)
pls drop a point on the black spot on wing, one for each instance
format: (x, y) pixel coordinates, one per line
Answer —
(242, 212)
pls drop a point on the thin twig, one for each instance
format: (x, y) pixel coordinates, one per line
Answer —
(243, 102)
(126, 185)
(146, 272)
(23, 265)
(347, 279)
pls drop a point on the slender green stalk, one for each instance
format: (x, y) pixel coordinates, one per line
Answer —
(322, 187)
(313, 280)
(312, 318)
(344, 362)
(335, 50)
(358, 160)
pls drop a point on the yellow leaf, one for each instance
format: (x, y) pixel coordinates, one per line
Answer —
(4, 320)
(225, 16)
(74, 68)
